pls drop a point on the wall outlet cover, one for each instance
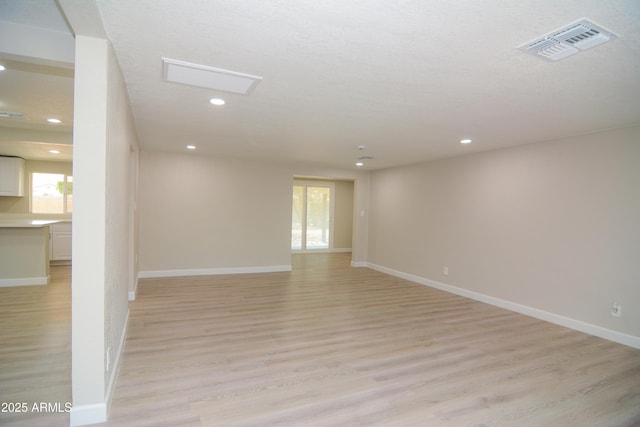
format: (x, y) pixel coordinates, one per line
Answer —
(616, 310)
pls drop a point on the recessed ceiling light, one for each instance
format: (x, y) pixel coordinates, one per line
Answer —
(54, 151)
(2, 68)
(466, 141)
(53, 120)
(191, 147)
(217, 101)
(359, 163)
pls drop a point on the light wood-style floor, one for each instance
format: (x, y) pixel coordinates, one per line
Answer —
(331, 345)
(35, 351)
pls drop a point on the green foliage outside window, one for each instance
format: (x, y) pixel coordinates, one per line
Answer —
(60, 187)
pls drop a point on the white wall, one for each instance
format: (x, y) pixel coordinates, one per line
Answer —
(121, 222)
(343, 227)
(206, 213)
(551, 226)
(89, 170)
(134, 220)
(103, 133)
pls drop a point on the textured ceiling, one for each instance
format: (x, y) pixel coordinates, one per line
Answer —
(408, 79)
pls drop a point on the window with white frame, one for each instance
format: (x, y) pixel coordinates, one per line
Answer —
(51, 193)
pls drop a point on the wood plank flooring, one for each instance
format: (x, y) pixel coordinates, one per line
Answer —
(331, 345)
(35, 351)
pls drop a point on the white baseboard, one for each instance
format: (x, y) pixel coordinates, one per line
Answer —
(131, 296)
(341, 250)
(213, 271)
(116, 363)
(578, 325)
(88, 414)
(25, 281)
(83, 415)
(359, 264)
(323, 251)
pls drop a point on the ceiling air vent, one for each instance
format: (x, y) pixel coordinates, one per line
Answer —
(208, 77)
(568, 40)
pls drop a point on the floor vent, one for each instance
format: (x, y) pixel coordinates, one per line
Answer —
(568, 40)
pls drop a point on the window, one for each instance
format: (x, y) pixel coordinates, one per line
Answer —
(51, 193)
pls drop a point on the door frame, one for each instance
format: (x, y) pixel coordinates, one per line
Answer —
(332, 196)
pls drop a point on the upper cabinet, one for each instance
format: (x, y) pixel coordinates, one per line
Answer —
(11, 176)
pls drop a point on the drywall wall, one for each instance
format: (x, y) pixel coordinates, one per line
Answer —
(343, 227)
(20, 206)
(121, 147)
(206, 213)
(103, 137)
(552, 226)
(88, 286)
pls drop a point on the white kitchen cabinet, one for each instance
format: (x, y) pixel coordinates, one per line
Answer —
(60, 241)
(11, 176)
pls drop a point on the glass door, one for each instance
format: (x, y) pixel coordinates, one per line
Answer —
(318, 218)
(312, 213)
(298, 216)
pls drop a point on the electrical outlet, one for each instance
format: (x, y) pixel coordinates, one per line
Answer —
(616, 310)
(445, 270)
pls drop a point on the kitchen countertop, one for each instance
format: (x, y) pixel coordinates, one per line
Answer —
(26, 223)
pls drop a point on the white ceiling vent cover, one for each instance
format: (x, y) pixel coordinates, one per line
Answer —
(208, 77)
(568, 40)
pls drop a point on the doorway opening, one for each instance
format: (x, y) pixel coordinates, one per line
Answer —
(312, 216)
(322, 215)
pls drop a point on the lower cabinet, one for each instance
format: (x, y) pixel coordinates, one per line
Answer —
(60, 241)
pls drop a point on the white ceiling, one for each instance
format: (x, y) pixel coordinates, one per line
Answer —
(408, 79)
